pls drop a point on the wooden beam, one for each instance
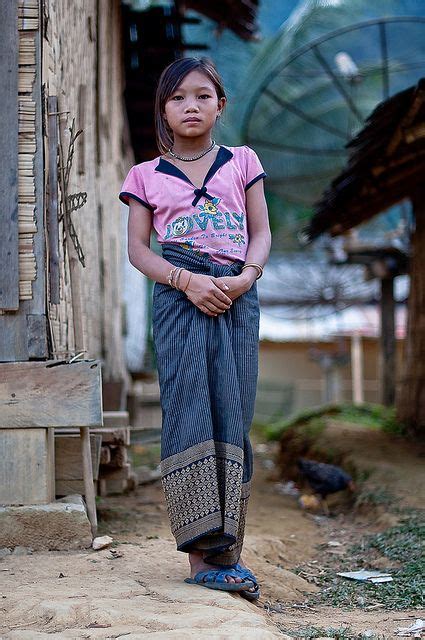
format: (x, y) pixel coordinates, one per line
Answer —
(388, 345)
(37, 336)
(9, 42)
(27, 466)
(88, 479)
(411, 398)
(68, 456)
(357, 368)
(52, 211)
(48, 394)
(116, 418)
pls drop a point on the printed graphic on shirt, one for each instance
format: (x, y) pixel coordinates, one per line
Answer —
(208, 220)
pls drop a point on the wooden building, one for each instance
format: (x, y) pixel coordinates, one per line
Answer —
(386, 166)
(60, 240)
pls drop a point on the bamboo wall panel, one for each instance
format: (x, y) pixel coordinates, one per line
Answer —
(82, 67)
(9, 291)
(28, 25)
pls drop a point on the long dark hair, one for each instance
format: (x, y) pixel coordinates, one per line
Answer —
(170, 79)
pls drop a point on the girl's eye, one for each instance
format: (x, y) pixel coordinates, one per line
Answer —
(205, 95)
(176, 98)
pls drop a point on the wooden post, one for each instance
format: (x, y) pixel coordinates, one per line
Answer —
(411, 399)
(357, 368)
(387, 364)
(52, 212)
(9, 42)
(88, 478)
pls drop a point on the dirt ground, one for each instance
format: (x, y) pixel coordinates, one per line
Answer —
(135, 588)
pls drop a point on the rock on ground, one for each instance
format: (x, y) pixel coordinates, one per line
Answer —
(135, 589)
(62, 524)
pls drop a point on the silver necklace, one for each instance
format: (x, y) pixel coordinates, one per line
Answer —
(191, 158)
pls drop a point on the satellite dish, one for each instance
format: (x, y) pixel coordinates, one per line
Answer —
(298, 288)
(306, 103)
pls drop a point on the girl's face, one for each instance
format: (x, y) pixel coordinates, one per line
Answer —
(192, 109)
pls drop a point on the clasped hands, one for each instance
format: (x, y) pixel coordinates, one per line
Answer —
(214, 295)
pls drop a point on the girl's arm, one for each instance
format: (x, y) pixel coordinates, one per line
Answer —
(259, 240)
(205, 292)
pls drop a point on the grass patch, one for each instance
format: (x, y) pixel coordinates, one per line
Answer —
(403, 545)
(374, 416)
(374, 497)
(341, 633)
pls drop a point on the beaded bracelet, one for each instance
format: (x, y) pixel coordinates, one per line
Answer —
(256, 266)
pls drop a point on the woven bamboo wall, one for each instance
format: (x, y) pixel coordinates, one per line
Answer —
(28, 25)
(82, 66)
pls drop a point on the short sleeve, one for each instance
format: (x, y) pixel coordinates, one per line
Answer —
(134, 187)
(254, 168)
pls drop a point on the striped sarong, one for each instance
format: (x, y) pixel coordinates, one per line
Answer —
(207, 369)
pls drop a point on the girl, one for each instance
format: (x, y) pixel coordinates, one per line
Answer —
(206, 203)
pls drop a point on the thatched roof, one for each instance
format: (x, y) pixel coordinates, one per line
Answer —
(387, 164)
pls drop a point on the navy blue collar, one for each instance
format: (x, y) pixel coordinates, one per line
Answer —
(223, 156)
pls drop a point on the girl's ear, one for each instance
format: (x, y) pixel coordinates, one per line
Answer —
(220, 105)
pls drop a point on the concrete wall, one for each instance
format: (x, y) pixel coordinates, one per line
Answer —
(289, 363)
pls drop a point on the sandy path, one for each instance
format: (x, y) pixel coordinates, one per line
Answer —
(124, 594)
(136, 589)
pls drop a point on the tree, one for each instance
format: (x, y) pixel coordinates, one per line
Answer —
(410, 401)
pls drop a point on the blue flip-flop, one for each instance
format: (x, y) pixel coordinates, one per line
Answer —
(247, 575)
(216, 579)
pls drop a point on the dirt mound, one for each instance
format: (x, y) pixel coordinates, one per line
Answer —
(385, 466)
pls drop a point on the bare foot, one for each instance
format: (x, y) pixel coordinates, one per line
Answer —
(242, 563)
(197, 564)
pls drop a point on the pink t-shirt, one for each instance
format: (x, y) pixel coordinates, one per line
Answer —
(210, 220)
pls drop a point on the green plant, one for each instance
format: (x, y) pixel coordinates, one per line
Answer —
(342, 633)
(402, 544)
(370, 415)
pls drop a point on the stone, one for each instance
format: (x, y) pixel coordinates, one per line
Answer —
(101, 542)
(58, 525)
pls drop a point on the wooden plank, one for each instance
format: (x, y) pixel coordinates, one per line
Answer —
(37, 336)
(26, 469)
(50, 472)
(9, 44)
(39, 296)
(89, 489)
(357, 368)
(52, 210)
(115, 418)
(68, 487)
(13, 337)
(387, 355)
(69, 456)
(110, 435)
(48, 394)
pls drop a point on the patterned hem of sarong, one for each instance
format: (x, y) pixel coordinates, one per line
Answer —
(207, 372)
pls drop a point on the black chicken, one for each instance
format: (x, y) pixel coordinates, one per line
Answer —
(325, 479)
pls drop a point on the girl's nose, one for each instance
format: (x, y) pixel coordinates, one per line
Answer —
(192, 107)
